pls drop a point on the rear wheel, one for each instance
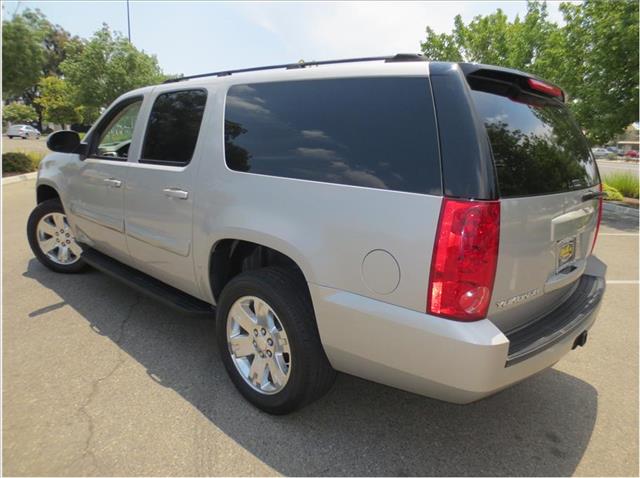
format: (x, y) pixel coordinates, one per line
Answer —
(52, 240)
(269, 340)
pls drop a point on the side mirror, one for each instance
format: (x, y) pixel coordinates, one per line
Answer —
(64, 142)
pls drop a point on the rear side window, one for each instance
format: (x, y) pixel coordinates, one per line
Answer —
(537, 146)
(371, 132)
(173, 127)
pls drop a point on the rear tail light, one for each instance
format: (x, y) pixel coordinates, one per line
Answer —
(463, 265)
(599, 219)
(545, 88)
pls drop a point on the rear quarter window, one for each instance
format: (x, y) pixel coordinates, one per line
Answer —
(537, 146)
(371, 132)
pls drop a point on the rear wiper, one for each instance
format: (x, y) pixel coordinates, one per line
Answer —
(594, 195)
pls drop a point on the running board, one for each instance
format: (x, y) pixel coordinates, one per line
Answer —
(146, 284)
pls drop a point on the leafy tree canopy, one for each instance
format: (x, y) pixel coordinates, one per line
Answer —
(56, 102)
(22, 57)
(594, 56)
(107, 67)
(56, 42)
(18, 113)
(33, 48)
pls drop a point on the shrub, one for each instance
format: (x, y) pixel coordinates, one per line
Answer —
(626, 183)
(17, 163)
(35, 157)
(612, 193)
(19, 113)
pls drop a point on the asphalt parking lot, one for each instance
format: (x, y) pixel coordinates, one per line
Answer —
(607, 167)
(24, 145)
(98, 380)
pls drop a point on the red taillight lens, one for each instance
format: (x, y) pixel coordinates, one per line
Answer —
(599, 219)
(545, 88)
(463, 265)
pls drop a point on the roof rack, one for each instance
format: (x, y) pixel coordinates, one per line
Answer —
(303, 64)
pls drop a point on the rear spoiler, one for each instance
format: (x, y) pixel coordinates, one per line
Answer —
(525, 81)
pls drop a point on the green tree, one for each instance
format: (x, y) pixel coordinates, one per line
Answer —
(56, 42)
(56, 101)
(33, 48)
(18, 113)
(601, 69)
(22, 57)
(493, 39)
(594, 56)
(107, 67)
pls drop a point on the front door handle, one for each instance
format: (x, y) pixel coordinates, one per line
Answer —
(176, 193)
(113, 182)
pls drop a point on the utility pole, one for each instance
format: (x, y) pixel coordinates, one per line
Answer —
(128, 22)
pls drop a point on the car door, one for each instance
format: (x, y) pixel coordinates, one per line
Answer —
(96, 185)
(159, 192)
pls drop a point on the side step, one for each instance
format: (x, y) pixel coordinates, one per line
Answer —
(146, 284)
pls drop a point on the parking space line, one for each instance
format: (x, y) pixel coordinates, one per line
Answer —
(618, 234)
(623, 281)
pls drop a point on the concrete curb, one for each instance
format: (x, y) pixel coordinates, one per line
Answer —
(622, 210)
(19, 178)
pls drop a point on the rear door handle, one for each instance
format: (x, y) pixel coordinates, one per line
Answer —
(176, 193)
(113, 182)
(594, 195)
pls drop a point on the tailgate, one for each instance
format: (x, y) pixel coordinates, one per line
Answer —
(547, 180)
(544, 244)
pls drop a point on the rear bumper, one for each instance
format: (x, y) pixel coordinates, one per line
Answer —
(452, 361)
(573, 316)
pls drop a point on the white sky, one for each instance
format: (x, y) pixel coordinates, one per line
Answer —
(196, 36)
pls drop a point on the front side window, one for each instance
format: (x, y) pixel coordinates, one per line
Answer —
(173, 127)
(115, 138)
(370, 132)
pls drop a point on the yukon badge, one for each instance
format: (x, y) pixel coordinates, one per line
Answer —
(517, 299)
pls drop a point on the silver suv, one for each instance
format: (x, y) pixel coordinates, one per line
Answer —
(428, 226)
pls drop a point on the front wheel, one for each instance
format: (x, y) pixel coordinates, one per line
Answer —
(52, 240)
(269, 341)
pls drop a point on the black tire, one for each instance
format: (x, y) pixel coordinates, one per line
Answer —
(286, 293)
(44, 208)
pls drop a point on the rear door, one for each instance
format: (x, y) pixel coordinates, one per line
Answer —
(549, 214)
(159, 194)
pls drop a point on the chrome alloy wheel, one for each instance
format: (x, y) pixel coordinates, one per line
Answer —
(258, 345)
(56, 240)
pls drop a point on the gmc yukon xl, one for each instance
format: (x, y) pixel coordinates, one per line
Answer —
(425, 225)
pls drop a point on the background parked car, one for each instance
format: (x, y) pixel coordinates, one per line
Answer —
(600, 152)
(22, 131)
(632, 153)
(615, 150)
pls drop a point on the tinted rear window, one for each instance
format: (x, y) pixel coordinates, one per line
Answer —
(371, 132)
(173, 127)
(537, 146)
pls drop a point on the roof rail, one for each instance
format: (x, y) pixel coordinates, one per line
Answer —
(303, 64)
